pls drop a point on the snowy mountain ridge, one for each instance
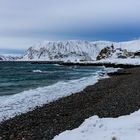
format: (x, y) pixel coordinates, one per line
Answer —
(9, 58)
(76, 50)
(3, 58)
(62, 51)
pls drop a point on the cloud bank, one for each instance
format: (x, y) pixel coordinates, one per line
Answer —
(23, 23)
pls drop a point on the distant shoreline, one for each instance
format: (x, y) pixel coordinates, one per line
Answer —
(78, 64)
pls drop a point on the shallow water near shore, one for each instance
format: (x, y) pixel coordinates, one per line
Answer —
(23, 86)
(16, 77)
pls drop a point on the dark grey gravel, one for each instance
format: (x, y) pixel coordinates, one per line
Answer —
(119, 95)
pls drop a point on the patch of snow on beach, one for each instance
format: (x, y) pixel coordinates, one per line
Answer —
(95, 128)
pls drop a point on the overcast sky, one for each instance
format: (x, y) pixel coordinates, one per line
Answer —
(26, 22)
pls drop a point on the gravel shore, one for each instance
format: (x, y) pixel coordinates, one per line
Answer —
(113, 97)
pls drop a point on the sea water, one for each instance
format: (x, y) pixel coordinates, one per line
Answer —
(24, 85)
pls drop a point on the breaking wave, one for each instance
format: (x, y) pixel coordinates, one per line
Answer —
(27, 100)
(37, 71)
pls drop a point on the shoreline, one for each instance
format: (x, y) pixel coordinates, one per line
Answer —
(106, 64)
(107, 98)
(28, 100)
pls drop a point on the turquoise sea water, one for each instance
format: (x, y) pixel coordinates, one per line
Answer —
(16, 77)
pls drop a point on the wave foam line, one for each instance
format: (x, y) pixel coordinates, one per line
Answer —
(25, 101)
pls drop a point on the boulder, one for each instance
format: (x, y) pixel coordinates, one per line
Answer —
(105, 53)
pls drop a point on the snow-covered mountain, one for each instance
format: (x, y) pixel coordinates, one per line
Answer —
(3, 58)
(62, 51)
(130, 46)
(9, 58)
(79, 51)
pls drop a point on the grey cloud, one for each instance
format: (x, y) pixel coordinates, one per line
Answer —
(49, 18)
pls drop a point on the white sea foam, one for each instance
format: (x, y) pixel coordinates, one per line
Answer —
(37, 71)
(28, 100)
(48, 72)
(57, 65)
